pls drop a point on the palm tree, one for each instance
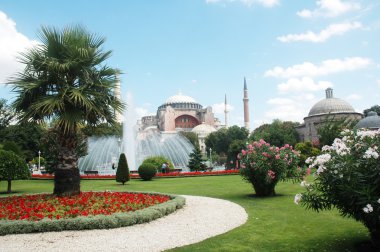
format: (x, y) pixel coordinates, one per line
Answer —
(65, 80)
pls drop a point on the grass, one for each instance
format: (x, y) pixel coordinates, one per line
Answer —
(274, 224)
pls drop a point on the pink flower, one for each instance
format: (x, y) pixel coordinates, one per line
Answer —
(271, 174)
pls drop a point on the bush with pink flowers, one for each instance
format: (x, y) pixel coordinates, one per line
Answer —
(264, 165)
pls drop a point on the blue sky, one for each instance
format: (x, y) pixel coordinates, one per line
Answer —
(289, 51)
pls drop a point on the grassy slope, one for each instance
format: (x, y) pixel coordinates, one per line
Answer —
(275, 224)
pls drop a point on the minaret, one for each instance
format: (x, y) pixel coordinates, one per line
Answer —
(225, 111)
(117, 94)
(246, 106)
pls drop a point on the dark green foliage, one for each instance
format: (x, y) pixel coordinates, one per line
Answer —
(195, 160)
(332, 128)
(192, 137)
(157, 161)
(375, 108)
(103, 129)
(278, 133)
(94, 222)
(13, 147)
(147, 171)
(12, 167)
(6, 114)
(306, 150)
(122, 172)
(235, 148)
(220, 140)
(26, 135)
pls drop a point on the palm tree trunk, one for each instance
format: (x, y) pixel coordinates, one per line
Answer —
(66, 176)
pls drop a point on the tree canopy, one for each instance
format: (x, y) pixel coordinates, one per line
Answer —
(375, 108)
(277, 133)
(66, 80)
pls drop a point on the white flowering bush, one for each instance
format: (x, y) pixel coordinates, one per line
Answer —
(348, 178)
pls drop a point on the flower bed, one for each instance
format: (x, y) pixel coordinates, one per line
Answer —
(136, 176)
(89, 210)
(39, 206)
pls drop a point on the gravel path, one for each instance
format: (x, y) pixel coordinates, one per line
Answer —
(200, 219)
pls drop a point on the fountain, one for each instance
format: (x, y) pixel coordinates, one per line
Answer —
(138, 145)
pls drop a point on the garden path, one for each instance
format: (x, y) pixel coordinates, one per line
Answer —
(201, 218)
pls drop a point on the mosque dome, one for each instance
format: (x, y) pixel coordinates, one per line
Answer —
(179, 98)
(331, 105)
(203, 129)
(372, 121)
(180, 101)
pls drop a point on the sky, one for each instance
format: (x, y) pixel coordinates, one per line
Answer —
(289, 51)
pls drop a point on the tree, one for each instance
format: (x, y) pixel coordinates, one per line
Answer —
(332, 128)
(104, 129)
(65, 79)
(192, 137)
(122, 172)
(26, 135)
(6, 114)
(278, 133)
(234, 149)
(195, 161)
(157, 161)
(375, 108)
(12, 167)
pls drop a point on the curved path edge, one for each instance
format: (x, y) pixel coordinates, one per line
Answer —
(199, 219)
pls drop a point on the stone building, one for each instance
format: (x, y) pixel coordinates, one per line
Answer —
(179, 113)
(371, 122)
(330, 108)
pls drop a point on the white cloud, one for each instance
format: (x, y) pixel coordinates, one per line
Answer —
(326, 67)
(305, 84)
(292, 108)
(354, 97)
(11, 43)
(249, 3)
(330, 8)
(378, 82)
(322, 36)
(218, 108)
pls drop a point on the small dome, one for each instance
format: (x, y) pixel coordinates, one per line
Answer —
(179, 98)
(331, 105)
(203, 129)
(372, 121)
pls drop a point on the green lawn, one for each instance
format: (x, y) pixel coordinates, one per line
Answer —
(274, 224)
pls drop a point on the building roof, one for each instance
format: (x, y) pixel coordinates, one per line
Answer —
(372, 121)
(203, 129)
(331, 105)
(180, 98)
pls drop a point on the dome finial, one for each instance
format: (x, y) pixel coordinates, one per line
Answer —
(329, 93)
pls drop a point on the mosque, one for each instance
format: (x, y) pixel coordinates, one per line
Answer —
(326, 109)
(183, 113)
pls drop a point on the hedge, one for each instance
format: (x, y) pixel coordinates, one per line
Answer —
(94, 222)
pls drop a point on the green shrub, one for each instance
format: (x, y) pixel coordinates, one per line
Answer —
(348, 178)
(122, 172)
(147, 171)
(306, 150)
(12, 167)
(157, 161)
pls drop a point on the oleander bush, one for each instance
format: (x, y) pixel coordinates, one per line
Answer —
(264, 166)
(348, 179)
(147, 171)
